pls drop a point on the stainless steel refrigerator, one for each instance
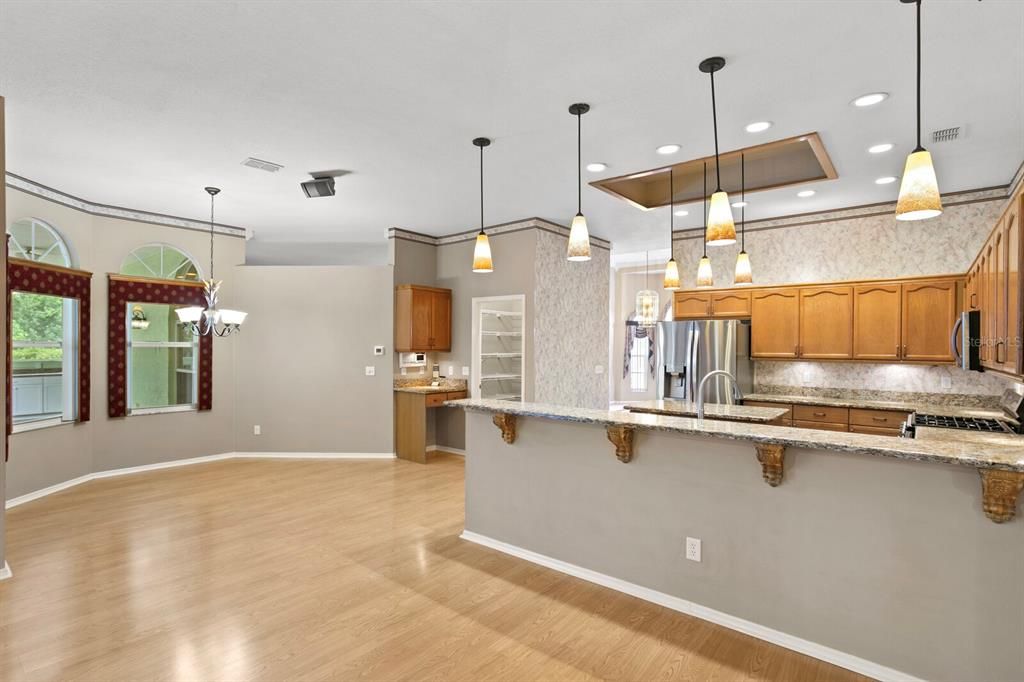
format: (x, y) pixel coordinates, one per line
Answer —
(689, 350)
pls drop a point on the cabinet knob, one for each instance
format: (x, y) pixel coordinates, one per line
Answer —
(880, 419)
(818, 414)
(898, 354)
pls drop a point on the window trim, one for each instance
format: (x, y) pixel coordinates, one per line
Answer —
(162, 245)
(65, 247)
(39, 424)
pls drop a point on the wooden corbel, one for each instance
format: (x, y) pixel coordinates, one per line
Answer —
(622, 437)
(771, 457)
(1000, 491)
(507, 424)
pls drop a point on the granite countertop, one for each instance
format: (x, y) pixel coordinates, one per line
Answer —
(979, 438)
(427, 389)
(1007, 455)
(685, 408)
(423, 387)
(923, 408)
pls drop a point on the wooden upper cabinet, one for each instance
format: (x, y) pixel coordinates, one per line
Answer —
(423, 318)
(876, 322)
(928, 311)
(730, 304)
(688, 305)
(826, 323)
(774, 323)
(1011, 232)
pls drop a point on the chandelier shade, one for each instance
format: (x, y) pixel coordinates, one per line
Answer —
(579, 235)
(720, 227)
(482, 249)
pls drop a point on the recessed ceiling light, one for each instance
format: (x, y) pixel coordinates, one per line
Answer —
(596, 167)
(668, 149)
(681, 213)
(804, 193)
(887, 180)
(870, 99)
(758, 126)
(739, 204)
(880, 148)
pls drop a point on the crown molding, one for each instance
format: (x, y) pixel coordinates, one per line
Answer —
(84, 205)
(492, 231)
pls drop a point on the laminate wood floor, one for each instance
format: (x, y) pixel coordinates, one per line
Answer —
(323, 570)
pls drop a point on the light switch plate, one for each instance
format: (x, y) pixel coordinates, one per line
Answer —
(370, 370)
(693, 549)
(451, 371)
(378, 350)
(465, 371)
(256, 430)
(598, 369)
(947, 382)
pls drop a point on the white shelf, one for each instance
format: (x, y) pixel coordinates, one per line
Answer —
(500, 313)
(500, 377)
(501, 355)
(487, 333)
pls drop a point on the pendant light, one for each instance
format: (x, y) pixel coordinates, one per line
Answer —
(646, 301)
(210, 320)
(671, 268)
(579, 237)
(919, 190)
(744, 275)
(482, 251)
(721, 228)
(704, 277)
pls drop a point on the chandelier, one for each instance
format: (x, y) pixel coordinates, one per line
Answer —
(211, 320)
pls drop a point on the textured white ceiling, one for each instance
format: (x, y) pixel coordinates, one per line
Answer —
(141, 104)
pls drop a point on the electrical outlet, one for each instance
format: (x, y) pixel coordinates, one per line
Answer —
(451, 371)
(256, 430)
(378, 350)
(403, 370)
(693, 549)
(465, 371)
(370, 370)
(598, 369)
(947, 382)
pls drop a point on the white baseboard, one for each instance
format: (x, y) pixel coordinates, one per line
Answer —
(445, 448)
(803, 646)
(5, 572)
(64, 485)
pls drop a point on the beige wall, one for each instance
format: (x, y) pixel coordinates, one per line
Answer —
(300, 365)
(48, 456)
(889, 560)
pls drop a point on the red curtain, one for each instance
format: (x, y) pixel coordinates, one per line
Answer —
(52, 280)
(123, 290)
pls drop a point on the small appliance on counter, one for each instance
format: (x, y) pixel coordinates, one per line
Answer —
(689, 350)
(1012, 404)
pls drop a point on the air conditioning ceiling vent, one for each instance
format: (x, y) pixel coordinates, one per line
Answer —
(946, 134)
(260, 164)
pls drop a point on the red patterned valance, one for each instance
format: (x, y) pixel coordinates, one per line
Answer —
(123, 290)
(53, 280)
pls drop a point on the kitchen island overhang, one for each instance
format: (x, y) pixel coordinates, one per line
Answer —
(872, 554)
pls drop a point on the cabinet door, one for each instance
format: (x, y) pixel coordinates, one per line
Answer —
(774, 323)
(420, 314)
(984, 305)
(826, 322)
(730, 304)
(441, 320)
(876, 322)
(1013, 297)
(691, 305)
(928, 314)
(999, 290)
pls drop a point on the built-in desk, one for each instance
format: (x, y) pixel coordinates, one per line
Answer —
(411, 405)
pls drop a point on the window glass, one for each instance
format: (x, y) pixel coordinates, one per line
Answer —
(162, 358)
(32, 239)
(43, 358)
(160, 261)
(638, 364)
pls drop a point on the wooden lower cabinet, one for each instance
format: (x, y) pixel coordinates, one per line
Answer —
(830, 418)
(874, 430)
(823, 426)
(821, 413)
(879, 419)
(411, 421)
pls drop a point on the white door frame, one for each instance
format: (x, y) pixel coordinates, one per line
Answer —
(474, 375)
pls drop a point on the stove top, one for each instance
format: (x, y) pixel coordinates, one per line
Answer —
(966, 423)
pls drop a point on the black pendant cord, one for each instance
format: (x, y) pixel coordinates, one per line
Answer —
(671, 212)
(743, 203)
(919, 147)
(579, 163)
(705, 209)
(212, 194)
(481, 190)
(714, 119)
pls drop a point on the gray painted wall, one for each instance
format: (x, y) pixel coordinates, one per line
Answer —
(889, 560)
(259, 252)
(301, 359)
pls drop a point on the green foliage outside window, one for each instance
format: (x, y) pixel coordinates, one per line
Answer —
(36, 318)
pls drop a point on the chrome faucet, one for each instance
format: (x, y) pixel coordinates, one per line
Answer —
(700, 390)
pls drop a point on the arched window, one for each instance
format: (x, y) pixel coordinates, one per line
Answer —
(32, 239)
(160, 261)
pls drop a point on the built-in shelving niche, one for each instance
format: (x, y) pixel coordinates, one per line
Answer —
(499, 347)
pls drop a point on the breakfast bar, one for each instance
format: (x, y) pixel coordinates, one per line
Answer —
(879, 529)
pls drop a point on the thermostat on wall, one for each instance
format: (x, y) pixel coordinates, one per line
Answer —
(378, 350)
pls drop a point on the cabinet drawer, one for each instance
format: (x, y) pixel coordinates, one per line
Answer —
(457, 395)
(819, 413)
(759, 403)
(821, 426)
(435, 399)
(781, 421)
(874, 431)
(881, 419)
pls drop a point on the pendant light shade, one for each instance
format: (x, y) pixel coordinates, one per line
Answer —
(482, 250)
(647, 302)
(919, 197)
(671, 268)
(744, 274)
(721, 230)
(579, 236)
(704, 276)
